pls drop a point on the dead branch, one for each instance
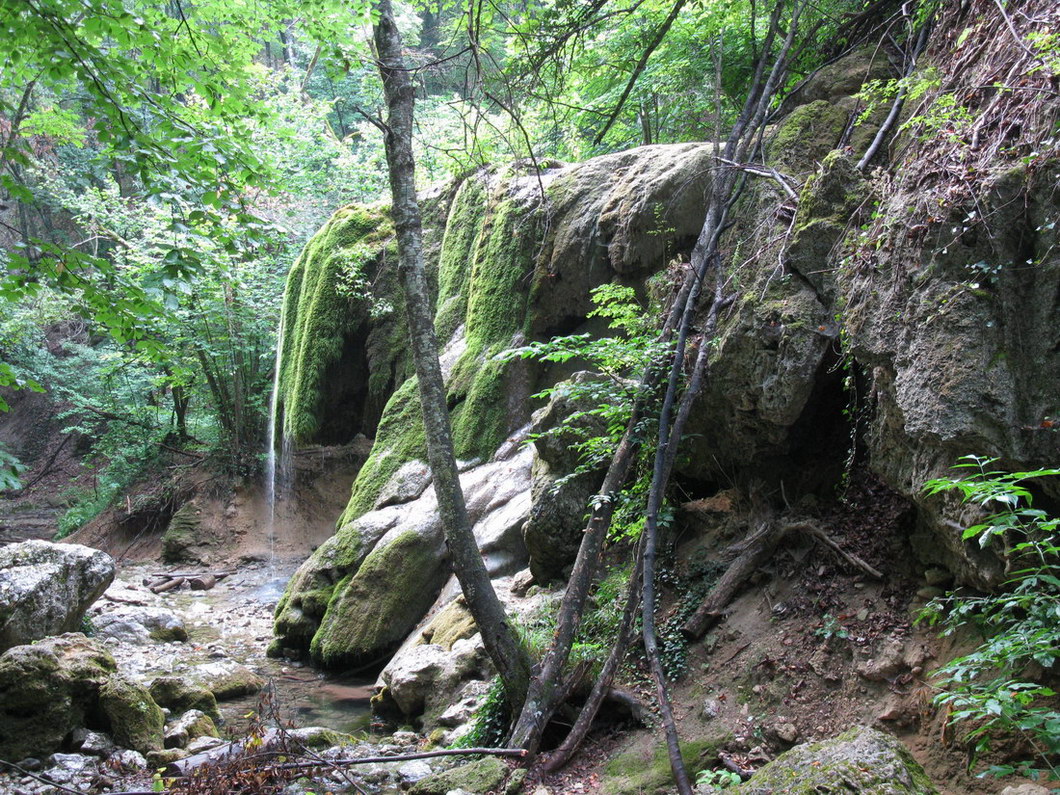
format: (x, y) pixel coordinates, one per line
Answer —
(119, 600)
(182, 767)
(759, 170)
(220, 575)
(48, 466)
(729, 763)
(757, 549)
(819, 535)
(899, 100)
(168, 585)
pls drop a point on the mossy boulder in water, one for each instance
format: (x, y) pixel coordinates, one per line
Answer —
(861, 760)
(390, 592)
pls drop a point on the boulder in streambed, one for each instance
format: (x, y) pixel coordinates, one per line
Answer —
(179, 695)
(45, 588)
(140, 625)
(58, 684)
(483, 775)
(860, 760)
(227, 679)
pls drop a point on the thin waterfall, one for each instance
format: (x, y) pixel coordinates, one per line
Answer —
(277, 467)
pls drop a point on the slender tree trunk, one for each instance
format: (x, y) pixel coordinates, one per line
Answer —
(502, 644)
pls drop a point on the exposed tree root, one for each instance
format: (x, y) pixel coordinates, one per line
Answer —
(752, 553)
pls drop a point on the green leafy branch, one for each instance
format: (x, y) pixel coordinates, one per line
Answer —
(995, 688)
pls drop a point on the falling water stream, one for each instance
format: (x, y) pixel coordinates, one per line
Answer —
(337, 702)
(277, 467)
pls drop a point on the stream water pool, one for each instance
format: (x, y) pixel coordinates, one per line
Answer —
(232, 622)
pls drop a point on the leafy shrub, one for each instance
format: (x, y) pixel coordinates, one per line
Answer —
(490, 724)
(995, 688)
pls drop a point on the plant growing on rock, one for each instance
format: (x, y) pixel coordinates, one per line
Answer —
(996, 688)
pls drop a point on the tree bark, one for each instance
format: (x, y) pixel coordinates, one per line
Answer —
(502, 644)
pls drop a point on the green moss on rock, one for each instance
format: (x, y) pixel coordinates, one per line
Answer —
(482, 776)
(458, 247)
(179, 695)
(483, 273)
(647, 770)
(452, 623)
(47, 689)
(806, 135)
(374, 609)
(136, 721)
(400, 439)
(319, 315)
(183, 538)
(861, 760)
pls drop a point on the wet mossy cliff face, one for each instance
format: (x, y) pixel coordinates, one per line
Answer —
(829, 326)
(507, 265)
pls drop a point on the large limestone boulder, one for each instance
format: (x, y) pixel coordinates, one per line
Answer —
(61, 683)
(361, 593)
(423, 678)
(45, 588)
(860, 760)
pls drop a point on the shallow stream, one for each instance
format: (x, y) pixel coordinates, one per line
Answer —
(233, 621)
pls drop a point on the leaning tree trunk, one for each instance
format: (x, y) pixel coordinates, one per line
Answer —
(507, 653)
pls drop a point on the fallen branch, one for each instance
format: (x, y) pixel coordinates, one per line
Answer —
(817, 534)
(220, 575)
(756, 550)
(168, 585)
(602, 687)
(119, 600)
(729, 763)
(183, 767)
(760, 170)
(752, 552)
(48, 466)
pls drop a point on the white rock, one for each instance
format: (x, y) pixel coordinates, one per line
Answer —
(45, 588)
(129, 760)
(140, 625)
(413, 770)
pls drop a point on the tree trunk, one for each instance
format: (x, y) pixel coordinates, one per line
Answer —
(502, 644)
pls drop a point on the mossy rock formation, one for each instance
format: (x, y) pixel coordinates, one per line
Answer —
(860, 760)
(503, 276)
(65, 682)
(647, 769)
(482, 776)
(136, 720)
